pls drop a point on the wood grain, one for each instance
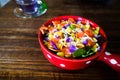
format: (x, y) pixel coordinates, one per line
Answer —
(20, 54)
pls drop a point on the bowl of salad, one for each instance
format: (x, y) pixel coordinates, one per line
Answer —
(74, 42)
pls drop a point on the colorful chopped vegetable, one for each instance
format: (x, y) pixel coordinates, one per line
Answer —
(71, 38)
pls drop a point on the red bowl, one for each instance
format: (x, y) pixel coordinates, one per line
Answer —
(71, 64)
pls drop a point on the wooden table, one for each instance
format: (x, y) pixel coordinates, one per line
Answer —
(20, 54)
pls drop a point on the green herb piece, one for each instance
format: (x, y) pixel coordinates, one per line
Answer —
(78, 53)
(72, 26)
(81, 52)
(88, 51)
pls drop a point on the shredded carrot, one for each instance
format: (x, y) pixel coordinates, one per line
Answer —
(56, 22)
(42, 28)
(51, 29)
(71, 20)
(62, 24)
(76, 25)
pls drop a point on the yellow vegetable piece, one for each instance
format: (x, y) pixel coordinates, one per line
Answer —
(87, 26)
(94, 39)
(96, 31)
(59, 33)
(68, 55)
(72, 34)
(61, 54)
(60, 46)
(69, 30)
(59, 27)
(80, 45)
(50, 36)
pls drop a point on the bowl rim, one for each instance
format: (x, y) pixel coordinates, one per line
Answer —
(73, 60)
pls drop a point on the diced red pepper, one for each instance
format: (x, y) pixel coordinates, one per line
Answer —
(80, 34)
(90, 43)
(55, 40)
(66, 52)
(89, 33)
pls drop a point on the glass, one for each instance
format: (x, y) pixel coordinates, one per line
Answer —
(30, 8)
(3, 2)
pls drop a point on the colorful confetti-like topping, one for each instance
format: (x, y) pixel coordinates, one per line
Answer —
(70, 38)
